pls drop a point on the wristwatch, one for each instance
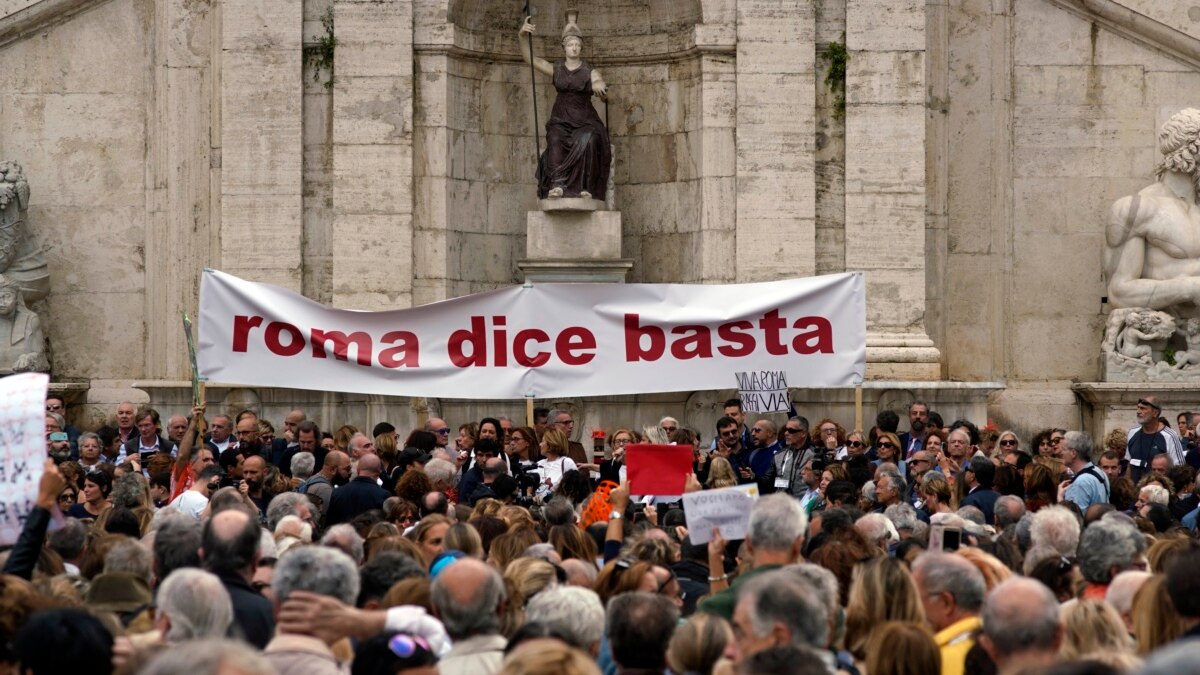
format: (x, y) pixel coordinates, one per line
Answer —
(616, 515)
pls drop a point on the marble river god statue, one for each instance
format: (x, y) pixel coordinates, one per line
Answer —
(24, 278)
(577, 158)
(1152, 266)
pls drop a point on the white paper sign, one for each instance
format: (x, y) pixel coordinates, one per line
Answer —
(22, 449)
(548, 340)
(727, 509)
(763, 391)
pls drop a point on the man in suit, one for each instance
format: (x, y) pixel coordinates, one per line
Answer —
(359, 495)
(979, 474)
(914, 439)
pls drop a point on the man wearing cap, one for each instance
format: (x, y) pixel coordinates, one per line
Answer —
(413, 459)
(1151, 437)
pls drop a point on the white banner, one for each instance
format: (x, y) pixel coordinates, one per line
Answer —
(548, 340)
(22, 449)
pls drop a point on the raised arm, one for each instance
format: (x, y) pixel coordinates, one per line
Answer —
(526, 43)
(189, 439)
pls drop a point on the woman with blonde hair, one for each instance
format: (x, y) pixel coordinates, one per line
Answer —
(720, 474)
(1155, 621)
(935, 490)
(554, 463)
(1090, 626)
(1008, 442)
(902, 648)
(509, 546)
(548, 657)
(881, 589)
(523, 579)
(994, 572)
(463, 537)
(699, 644)
(341, 437)
(429, 536)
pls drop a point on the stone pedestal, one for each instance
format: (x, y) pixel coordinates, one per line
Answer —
(574, 242)
(1111, 405)
(902, 357)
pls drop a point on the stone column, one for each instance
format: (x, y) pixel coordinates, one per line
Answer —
(373, 154)
(716, 157)
(261, 141)
(179, 232)
(885, 182)
(776, 133)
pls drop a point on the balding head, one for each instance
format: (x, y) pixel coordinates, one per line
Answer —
(293, 420)
(335, 459)
(229, 543)
(1021, 623)
(468, 596)
(369, 466)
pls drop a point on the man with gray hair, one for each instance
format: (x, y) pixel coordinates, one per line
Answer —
(289, 504)
(778, 609)
(562, 420)
(1089, 485)
(468, 597)
(193, 605)
(1121, 592)
(346, 539)
(952, 592)
(303, 465)
(1108, 547)
(320, 570)
(1009, 511)
(775, 538)
(1021, 626)
(573, 612)
(1057, 528)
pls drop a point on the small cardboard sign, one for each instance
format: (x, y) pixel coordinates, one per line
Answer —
(727, 509)
(763, 391)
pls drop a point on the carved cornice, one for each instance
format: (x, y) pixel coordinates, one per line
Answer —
(38, 15)
(1137, 27)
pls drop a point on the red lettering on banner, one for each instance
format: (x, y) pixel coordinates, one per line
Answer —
(500, 341)
(242, 326)
(771, 323)
(341, 345)
(575, 339)
(633, 340)
(520, 352)
(741, 343)
(821, 331)
(477, 340)
(694, 341)
(406, 354)
(275, 330)
(696, 345)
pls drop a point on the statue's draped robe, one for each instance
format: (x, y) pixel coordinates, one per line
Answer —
(577, 156)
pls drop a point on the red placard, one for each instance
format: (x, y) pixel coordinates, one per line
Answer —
(657, 469)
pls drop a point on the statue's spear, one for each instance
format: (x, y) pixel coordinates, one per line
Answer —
(537, 138)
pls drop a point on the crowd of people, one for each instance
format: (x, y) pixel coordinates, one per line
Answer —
(211, 544)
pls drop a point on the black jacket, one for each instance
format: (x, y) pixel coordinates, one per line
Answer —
(253, 615)
(358, 496)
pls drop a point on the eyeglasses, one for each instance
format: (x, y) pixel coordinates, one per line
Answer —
(567, 423)
(670, 429)
(792, 430)
(916, 460)
(66, 497)
(443, 430)
(51, 407)
(854, 444)
(829, 431)
(884, 444)
(756, 430)
(405, 646)
(622, 441)
(1008, 442)
(668, 580)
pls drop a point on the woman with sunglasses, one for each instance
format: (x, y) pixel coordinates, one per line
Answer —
(1008, 442)
(856, 444)
(887, 449)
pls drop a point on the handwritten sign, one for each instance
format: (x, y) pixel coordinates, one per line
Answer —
(22, 449)
(763, 391)
(727, 509)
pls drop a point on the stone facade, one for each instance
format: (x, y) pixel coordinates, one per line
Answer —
(967, 174)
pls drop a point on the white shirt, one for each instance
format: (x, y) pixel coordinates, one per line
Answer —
(554, 470)
(191, 503)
